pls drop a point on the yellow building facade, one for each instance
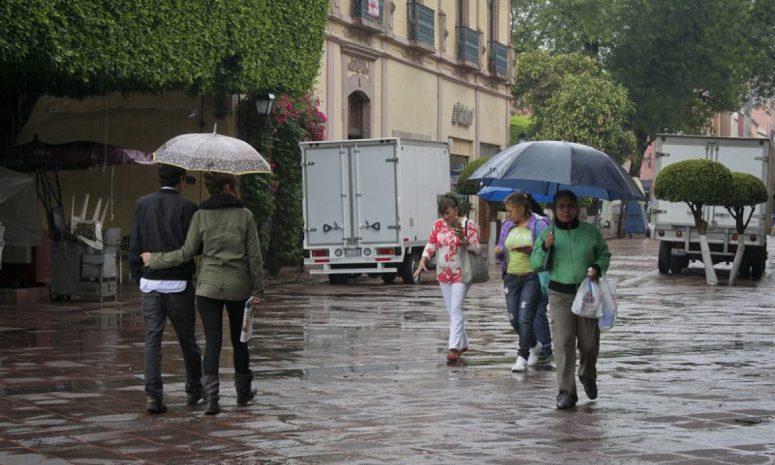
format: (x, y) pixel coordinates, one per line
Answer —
(423, 69)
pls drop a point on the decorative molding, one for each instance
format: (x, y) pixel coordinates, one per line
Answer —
(360, 51)
(414, 55)
(336, 8)
(443, 32)
(391, 14)
(359, 35)
(461, 73)
(359, 66)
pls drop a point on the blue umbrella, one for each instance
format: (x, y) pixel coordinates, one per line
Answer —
(499, 194)
(545, 167)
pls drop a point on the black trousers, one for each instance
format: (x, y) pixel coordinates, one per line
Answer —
(211, 313)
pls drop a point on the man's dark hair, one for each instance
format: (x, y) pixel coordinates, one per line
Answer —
(169, 176)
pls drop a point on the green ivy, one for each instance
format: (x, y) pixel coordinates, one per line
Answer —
(79, 48)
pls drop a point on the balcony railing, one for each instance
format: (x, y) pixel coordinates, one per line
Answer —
(499, 60)
(468, 46)
(421, 25)
(369, 14)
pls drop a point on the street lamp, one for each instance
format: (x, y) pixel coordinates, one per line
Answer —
(264, 104)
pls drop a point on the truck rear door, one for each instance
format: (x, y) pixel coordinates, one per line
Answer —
(669, 152)
(742, 156)
(375, 203)
(326, 190)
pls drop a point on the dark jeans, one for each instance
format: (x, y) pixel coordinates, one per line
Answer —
(211, 313)
(541, 326)
(522, 295)
(179, 308)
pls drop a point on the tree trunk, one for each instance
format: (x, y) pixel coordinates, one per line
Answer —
(738, 260)
(15, 110)
(710, 273)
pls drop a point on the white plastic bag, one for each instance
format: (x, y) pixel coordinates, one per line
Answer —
(588, 302)
(247, 321)
(608, 292)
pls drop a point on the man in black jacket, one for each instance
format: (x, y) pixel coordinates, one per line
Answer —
(159, 224)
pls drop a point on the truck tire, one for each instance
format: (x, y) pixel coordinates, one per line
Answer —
(665, 253)
(758, 262)
(676, 265)
(411, 260)
(388, 278)
(335, 279)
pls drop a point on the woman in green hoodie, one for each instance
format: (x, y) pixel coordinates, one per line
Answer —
(578, 251)
(224, 232)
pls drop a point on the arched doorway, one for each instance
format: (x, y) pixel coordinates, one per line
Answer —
(358, 116)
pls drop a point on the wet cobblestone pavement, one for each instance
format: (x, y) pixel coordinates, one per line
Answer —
(356, 374)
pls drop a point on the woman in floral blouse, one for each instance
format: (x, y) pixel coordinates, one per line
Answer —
(450, 233)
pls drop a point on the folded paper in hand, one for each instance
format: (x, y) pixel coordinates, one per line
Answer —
(247, 321)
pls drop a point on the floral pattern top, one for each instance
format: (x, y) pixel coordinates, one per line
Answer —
(446, 245)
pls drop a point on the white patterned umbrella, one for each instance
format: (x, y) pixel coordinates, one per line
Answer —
(211, 152)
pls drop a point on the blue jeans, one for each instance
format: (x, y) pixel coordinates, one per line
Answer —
(522, 296)
(179, 308)
(541, 326)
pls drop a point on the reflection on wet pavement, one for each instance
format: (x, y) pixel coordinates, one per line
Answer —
(356, 374)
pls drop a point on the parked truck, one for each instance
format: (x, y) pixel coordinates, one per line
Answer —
(673, 225)
(369, 205)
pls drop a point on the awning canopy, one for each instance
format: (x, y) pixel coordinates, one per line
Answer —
(72, 155)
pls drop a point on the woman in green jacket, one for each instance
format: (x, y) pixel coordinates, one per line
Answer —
(224, 232)
(578, 251)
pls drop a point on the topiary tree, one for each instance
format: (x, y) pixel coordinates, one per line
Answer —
(747, 191)
(697, 183)
(520, 124)
(466, 187)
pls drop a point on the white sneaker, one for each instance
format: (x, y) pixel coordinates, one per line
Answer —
(532, 359)
(520, 365)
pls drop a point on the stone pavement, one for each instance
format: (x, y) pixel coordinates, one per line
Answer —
(356, 374)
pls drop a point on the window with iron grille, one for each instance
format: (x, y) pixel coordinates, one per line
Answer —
(421, 23)
(371, 10)
(499, 59)
(468, 46)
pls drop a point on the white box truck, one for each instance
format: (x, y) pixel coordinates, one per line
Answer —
(673, 225)
(370, 204)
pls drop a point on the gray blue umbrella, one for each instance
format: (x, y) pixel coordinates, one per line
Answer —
(546, 167)
(499, 194)
(211, 152)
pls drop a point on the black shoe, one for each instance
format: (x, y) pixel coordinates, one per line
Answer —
(193, 397)
(564, 401)
(244, 397)
(590, 388)
(212, 407)
(155, 406)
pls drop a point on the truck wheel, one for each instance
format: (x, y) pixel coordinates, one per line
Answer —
(335, 279)
(758, 262)
(411, 260)
(665, 253)
(388, 278)
(676, 265)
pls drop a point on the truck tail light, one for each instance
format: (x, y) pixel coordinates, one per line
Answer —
(679, 234)
(733, 237)
(385, 251)
(319, 253)
(753, 237)
(660, 233)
